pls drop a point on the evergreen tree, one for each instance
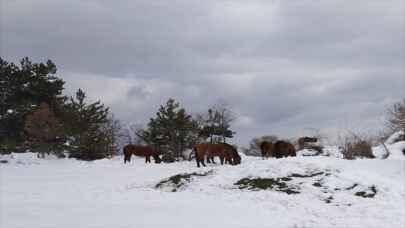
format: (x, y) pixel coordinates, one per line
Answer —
(22, 89)
(87, 126)
(172, 131)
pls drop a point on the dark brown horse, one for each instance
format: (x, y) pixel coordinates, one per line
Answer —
(267, 149)
(142, 151)
(278, 149)
(236, 158)
(283, 149)
(209, 151)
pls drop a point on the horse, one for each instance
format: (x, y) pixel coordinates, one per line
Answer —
(283, 149)
(267, 149)
(223, 151)
(142, 151)
(236, 158)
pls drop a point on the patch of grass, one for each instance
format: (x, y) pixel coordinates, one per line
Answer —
(3, 161)
(317, 184)
(352, 187)
(277, 184)
(286, 178)
(329, 199)
(306, 175)
(367, 194)
(179, 180)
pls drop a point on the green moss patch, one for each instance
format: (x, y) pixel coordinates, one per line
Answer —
(306, 175)
(370, 193)
(277, 184)
(176, 182)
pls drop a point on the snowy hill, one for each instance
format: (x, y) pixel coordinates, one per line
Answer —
(299, 192)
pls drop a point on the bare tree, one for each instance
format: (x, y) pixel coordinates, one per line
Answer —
(356, 145)
(41, 129)
(217, 122)
(113, 133)
(396, 116)
(133, 136)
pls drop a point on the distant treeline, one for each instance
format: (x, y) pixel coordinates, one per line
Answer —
(36, 116)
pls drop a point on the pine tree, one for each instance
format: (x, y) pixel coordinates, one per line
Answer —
(86, 124)
(172, 131)
(22, 89)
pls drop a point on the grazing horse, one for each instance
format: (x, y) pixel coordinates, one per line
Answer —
(236, 158)
(283, 149)
(223, 151)
(267, 149)
(142, 151)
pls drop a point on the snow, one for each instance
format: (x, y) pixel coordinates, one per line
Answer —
(394, 145)
(394, 137)
(395, 151)
(107, 193)
(328, 150)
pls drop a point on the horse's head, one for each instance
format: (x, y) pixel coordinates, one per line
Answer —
(157, 158)
(236, 158)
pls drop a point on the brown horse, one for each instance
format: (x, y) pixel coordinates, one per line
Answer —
(283, 149)
(267, 149)
(209, 151)
(142, 151)
(236, 158)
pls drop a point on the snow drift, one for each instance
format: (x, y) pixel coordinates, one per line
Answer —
(330, 192)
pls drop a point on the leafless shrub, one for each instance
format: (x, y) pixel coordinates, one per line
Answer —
(356, 146)
(396, 117)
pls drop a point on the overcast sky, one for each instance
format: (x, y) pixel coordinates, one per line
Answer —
(284, 67)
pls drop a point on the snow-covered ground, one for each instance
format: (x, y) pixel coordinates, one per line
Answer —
(106, 193)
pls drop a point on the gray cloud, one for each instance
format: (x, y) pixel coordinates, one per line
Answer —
(283, 66)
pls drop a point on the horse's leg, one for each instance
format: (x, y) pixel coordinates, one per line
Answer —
(197, 157)
(213, 159)
(222, 159)
(147, 159)
(228, 160)
(200, 159)
(203, 163)
(127, 158)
